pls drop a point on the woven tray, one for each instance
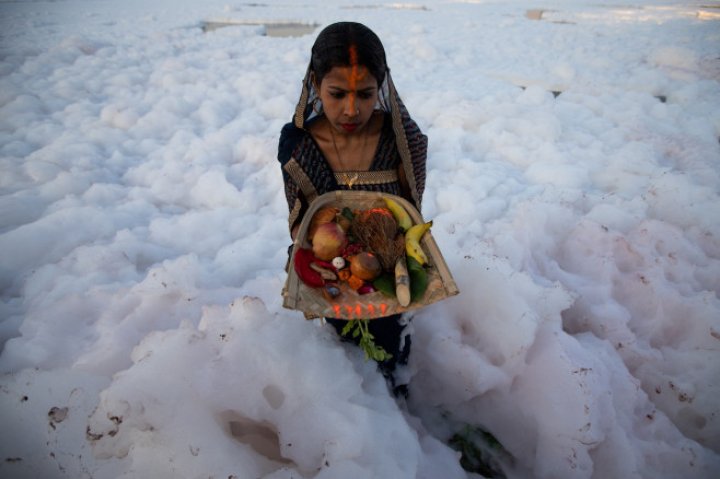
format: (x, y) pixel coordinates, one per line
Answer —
(351, 305)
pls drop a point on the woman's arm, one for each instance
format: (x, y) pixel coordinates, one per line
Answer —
(417, 144)
(289, 138)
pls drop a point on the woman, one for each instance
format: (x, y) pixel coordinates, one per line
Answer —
(352, 131)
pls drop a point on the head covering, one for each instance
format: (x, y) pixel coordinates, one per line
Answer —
(309, 106)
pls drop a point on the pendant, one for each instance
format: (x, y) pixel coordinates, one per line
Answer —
(349, 180)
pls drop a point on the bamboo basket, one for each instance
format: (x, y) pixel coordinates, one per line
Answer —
(351, 305)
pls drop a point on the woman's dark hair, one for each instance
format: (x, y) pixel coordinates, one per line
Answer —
(340, 44)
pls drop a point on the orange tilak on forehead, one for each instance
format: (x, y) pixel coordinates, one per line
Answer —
(356, 75)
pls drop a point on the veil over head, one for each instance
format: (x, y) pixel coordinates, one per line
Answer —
(309, 106)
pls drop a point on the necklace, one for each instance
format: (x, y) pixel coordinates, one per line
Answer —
(348, 177)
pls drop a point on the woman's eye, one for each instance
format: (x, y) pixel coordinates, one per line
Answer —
(365, 95)
(338, 95)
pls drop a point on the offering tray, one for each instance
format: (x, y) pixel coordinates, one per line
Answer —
(350, 304)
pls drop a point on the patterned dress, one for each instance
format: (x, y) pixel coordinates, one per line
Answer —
(307, 174)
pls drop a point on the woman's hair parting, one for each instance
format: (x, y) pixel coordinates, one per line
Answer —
(348, 44)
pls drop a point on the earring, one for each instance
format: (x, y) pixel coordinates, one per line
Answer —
(315, 107)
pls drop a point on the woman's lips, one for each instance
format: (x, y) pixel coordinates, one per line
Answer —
(349, 127)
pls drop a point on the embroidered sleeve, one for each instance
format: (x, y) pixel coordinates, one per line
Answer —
(292, 195)
(417, 143)
(296, 203)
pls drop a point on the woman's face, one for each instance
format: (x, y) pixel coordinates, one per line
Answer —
(348, 96)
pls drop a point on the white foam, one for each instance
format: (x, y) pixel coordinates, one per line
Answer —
(573, 185)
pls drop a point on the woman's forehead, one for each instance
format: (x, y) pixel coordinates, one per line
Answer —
(355, 78)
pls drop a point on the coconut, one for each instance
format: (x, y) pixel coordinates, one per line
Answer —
(365, 266)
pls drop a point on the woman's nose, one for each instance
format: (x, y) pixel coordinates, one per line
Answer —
(351, 106)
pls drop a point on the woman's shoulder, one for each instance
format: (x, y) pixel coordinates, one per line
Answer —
(290, 136)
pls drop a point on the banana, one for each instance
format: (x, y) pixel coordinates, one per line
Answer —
(416, 232)
(401, 216)
(413, 250)
(412, 242)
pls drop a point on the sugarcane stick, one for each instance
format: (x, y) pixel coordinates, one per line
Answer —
(402, 282)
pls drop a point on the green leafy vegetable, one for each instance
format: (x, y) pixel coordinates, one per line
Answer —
(360, 328)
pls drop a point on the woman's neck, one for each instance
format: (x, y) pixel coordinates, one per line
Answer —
(348, 151)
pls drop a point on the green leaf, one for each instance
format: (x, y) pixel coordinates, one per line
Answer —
(360, 328)
(367, 343)
(412, 264)
(418, 282)
(385, 284)
(347, 328)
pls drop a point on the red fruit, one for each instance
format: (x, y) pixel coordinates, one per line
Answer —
(328, 241)
(303, 258)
